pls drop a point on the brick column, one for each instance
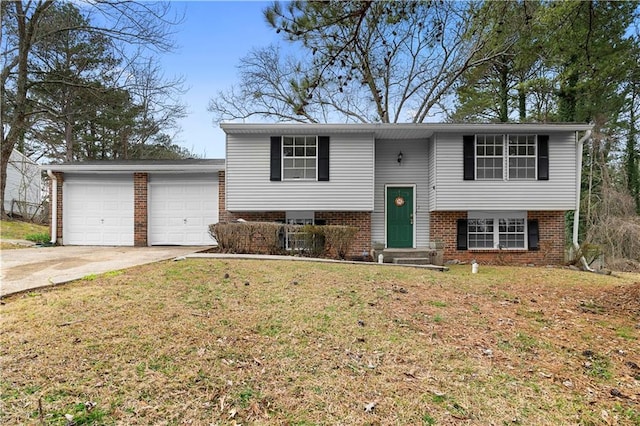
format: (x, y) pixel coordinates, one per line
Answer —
(60, 179)
(140, 218)
(222, 208)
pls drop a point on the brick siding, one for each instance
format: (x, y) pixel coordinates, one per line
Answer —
(60, 179)
(361, 220)
(140, 221)
(551, 240)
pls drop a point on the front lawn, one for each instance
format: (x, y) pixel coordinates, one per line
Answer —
(18, 230)
(205, 341)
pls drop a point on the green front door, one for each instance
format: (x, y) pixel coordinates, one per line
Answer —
(399, 217)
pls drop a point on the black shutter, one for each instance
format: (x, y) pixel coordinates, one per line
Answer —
(462, 235)
(533, 234)
(468, 142)
(543, 157)
(276, 158)
(323, 157)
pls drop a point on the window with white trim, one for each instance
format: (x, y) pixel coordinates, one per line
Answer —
(522, 156)
(480, 233)
(497, 230)
(299, 157)
(297, 240)
(489, 156)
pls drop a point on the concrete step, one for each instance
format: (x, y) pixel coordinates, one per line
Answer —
(410, 253)
(412, 260)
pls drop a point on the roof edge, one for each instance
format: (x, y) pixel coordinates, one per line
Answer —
(240, 128)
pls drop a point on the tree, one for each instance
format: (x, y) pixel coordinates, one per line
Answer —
(497, 90)
(131, 27)
(359, 61)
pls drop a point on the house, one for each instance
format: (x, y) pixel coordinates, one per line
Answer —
(23, 190)
(490, 192)
(134, 203)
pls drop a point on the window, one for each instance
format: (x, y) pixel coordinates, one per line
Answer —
(506, 157)
(299, 157)
(511, 233)
(522, 157)
(296, 240)
(497, 230)
(489, 157)
(480, 233)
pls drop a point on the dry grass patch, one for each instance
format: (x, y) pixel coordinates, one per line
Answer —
(17, 230)
(271, 342)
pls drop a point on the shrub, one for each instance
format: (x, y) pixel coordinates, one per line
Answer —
(248, 237)
(268, 237)
(339, 239)
(38, 238)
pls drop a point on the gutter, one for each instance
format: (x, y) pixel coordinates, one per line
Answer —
(54, 206)
(576, 214)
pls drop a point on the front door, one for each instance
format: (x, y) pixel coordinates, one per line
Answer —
(400, 217)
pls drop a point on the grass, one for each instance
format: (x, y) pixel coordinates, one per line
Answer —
(273, 342)
(17, 230)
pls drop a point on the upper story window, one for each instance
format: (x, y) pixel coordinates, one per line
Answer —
(506, 157)
(299, 157)
(522, 156)
(489, 156)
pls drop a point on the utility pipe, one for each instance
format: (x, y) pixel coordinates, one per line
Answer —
(54, 206)
(576, 214)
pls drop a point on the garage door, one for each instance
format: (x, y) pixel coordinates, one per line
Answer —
(98, 210)
(181, 208)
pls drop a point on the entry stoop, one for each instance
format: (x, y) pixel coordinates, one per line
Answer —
(419, 256)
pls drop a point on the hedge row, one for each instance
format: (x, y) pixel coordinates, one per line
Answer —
(270, 238)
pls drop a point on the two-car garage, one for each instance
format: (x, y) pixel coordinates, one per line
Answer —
(170, 203)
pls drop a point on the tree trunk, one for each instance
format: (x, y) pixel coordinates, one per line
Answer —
(26, 30)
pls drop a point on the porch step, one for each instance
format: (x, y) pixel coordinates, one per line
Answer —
(417, 256)
(412, 260)
(407, 253)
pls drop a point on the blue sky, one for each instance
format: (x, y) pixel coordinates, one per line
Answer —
(212, 39)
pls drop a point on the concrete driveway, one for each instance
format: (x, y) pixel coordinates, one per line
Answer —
(26, 269)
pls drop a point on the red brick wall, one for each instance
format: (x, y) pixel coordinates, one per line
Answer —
(552, 239)
(140, 191)
(361, 220)
(60, 179)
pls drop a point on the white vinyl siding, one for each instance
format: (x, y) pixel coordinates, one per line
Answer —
(350, 185)
(414, 170)
(432, 173)
(455, 194)
(23, 184)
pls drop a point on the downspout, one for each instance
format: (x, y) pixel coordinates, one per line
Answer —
(54, 206)
(576, 214)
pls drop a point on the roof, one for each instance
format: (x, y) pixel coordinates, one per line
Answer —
(397, 130)
(189, 165)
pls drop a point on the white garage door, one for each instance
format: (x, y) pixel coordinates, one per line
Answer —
(181, 208)
(98, 211)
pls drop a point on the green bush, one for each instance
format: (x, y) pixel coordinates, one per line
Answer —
(38, 238)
